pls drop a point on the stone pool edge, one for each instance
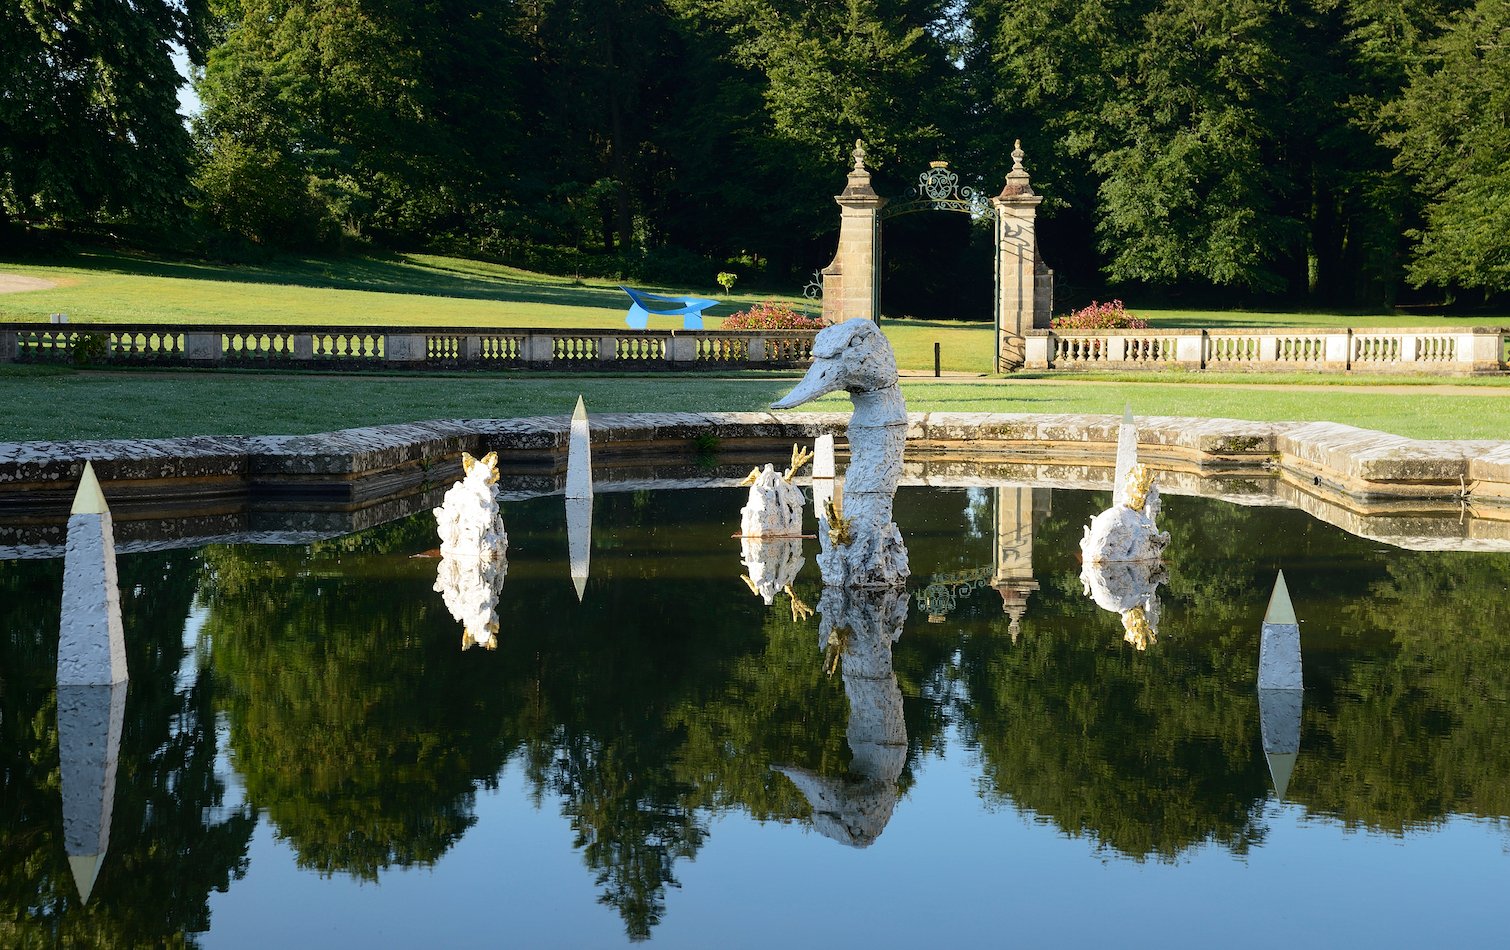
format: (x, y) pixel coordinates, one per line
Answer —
(1345, 464)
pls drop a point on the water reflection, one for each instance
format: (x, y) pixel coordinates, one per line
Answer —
(656, 710)
(857, 630)
(89, 748)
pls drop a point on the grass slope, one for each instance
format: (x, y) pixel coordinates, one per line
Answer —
(433, 290)
(63, 404)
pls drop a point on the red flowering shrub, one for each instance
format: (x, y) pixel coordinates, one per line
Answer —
(1100, 316)
(770, 315)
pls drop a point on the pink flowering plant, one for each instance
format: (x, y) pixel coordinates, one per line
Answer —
(770, 315)
(1111, 315)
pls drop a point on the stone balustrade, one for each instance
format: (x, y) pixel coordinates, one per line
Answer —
(407, 348)
(1453, 351)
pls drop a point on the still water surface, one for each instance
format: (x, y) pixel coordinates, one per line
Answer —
(310, 758)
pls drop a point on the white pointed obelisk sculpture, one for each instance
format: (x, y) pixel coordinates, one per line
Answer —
(1279, 686)
(91, 645)
(579, 498)
(91, 683)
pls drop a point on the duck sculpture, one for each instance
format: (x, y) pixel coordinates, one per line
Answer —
(861, 544)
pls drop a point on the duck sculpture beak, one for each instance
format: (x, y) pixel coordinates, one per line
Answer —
(822, 377)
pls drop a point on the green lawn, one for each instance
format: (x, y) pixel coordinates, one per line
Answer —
(432, 290)
(46, 403)
(400, 290)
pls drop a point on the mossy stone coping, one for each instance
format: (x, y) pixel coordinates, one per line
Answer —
(353, 464)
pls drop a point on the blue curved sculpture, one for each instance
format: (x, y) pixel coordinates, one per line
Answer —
(644, 305)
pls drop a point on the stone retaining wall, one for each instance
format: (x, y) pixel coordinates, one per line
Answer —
(288, 486)
(1462, 351)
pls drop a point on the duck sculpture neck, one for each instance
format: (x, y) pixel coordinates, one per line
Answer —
(865, 548)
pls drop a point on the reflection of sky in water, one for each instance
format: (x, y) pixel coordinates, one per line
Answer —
(947, 871)
(997, 729)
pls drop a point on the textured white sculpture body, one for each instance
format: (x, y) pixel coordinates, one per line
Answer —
(468, 520)
(1128, 530)
(1122, 534)
(858, 628)
(91, 642)
(774, 509)
(865, 549)
(473, 551)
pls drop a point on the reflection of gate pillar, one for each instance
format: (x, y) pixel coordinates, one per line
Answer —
(1024, 285)
(852, 283)
(1016, 509)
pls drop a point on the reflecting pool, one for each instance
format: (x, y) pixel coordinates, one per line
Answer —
(309, 755)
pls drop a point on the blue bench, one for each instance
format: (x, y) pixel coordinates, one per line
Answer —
(644, 305)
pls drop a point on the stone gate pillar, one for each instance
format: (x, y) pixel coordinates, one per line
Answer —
(852, 283)
(1024, 284)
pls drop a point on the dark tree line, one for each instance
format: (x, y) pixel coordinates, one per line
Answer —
(1334, 151)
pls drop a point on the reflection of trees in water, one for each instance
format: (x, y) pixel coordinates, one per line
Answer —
(666, 696)
(172, 841)
(1151, 755)
(362, 739)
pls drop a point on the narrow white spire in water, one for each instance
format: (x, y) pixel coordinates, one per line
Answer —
(823, 473)
(1127, 454)
(91, 643)
(1279, 642)
(579, 455)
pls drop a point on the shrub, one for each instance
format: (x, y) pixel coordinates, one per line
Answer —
(770, 315)
(1100, 316)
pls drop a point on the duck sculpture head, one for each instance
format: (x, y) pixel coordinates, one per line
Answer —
(853, 356)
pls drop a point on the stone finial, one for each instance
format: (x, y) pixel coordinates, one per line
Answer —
(1018, 185)
(858, 187)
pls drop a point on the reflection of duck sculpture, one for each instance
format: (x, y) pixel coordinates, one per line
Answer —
(1129, 588)
(473, 551)
(857, 629)
(862, 546)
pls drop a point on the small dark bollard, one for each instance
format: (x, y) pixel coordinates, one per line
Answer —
(936, 372)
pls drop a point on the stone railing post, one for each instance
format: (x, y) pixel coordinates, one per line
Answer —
(1017, 265)
(404, 347)
(202, 347)
(471, 348)
(7, 346)
(539, 348)
(1481, 351)
(1039, 352)
(304, 345)
(756, 353)
(1190, 349)
(683, 349)
(852, 282)
(608, 349)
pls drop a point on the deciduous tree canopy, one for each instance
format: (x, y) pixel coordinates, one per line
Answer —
(1325, 149)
